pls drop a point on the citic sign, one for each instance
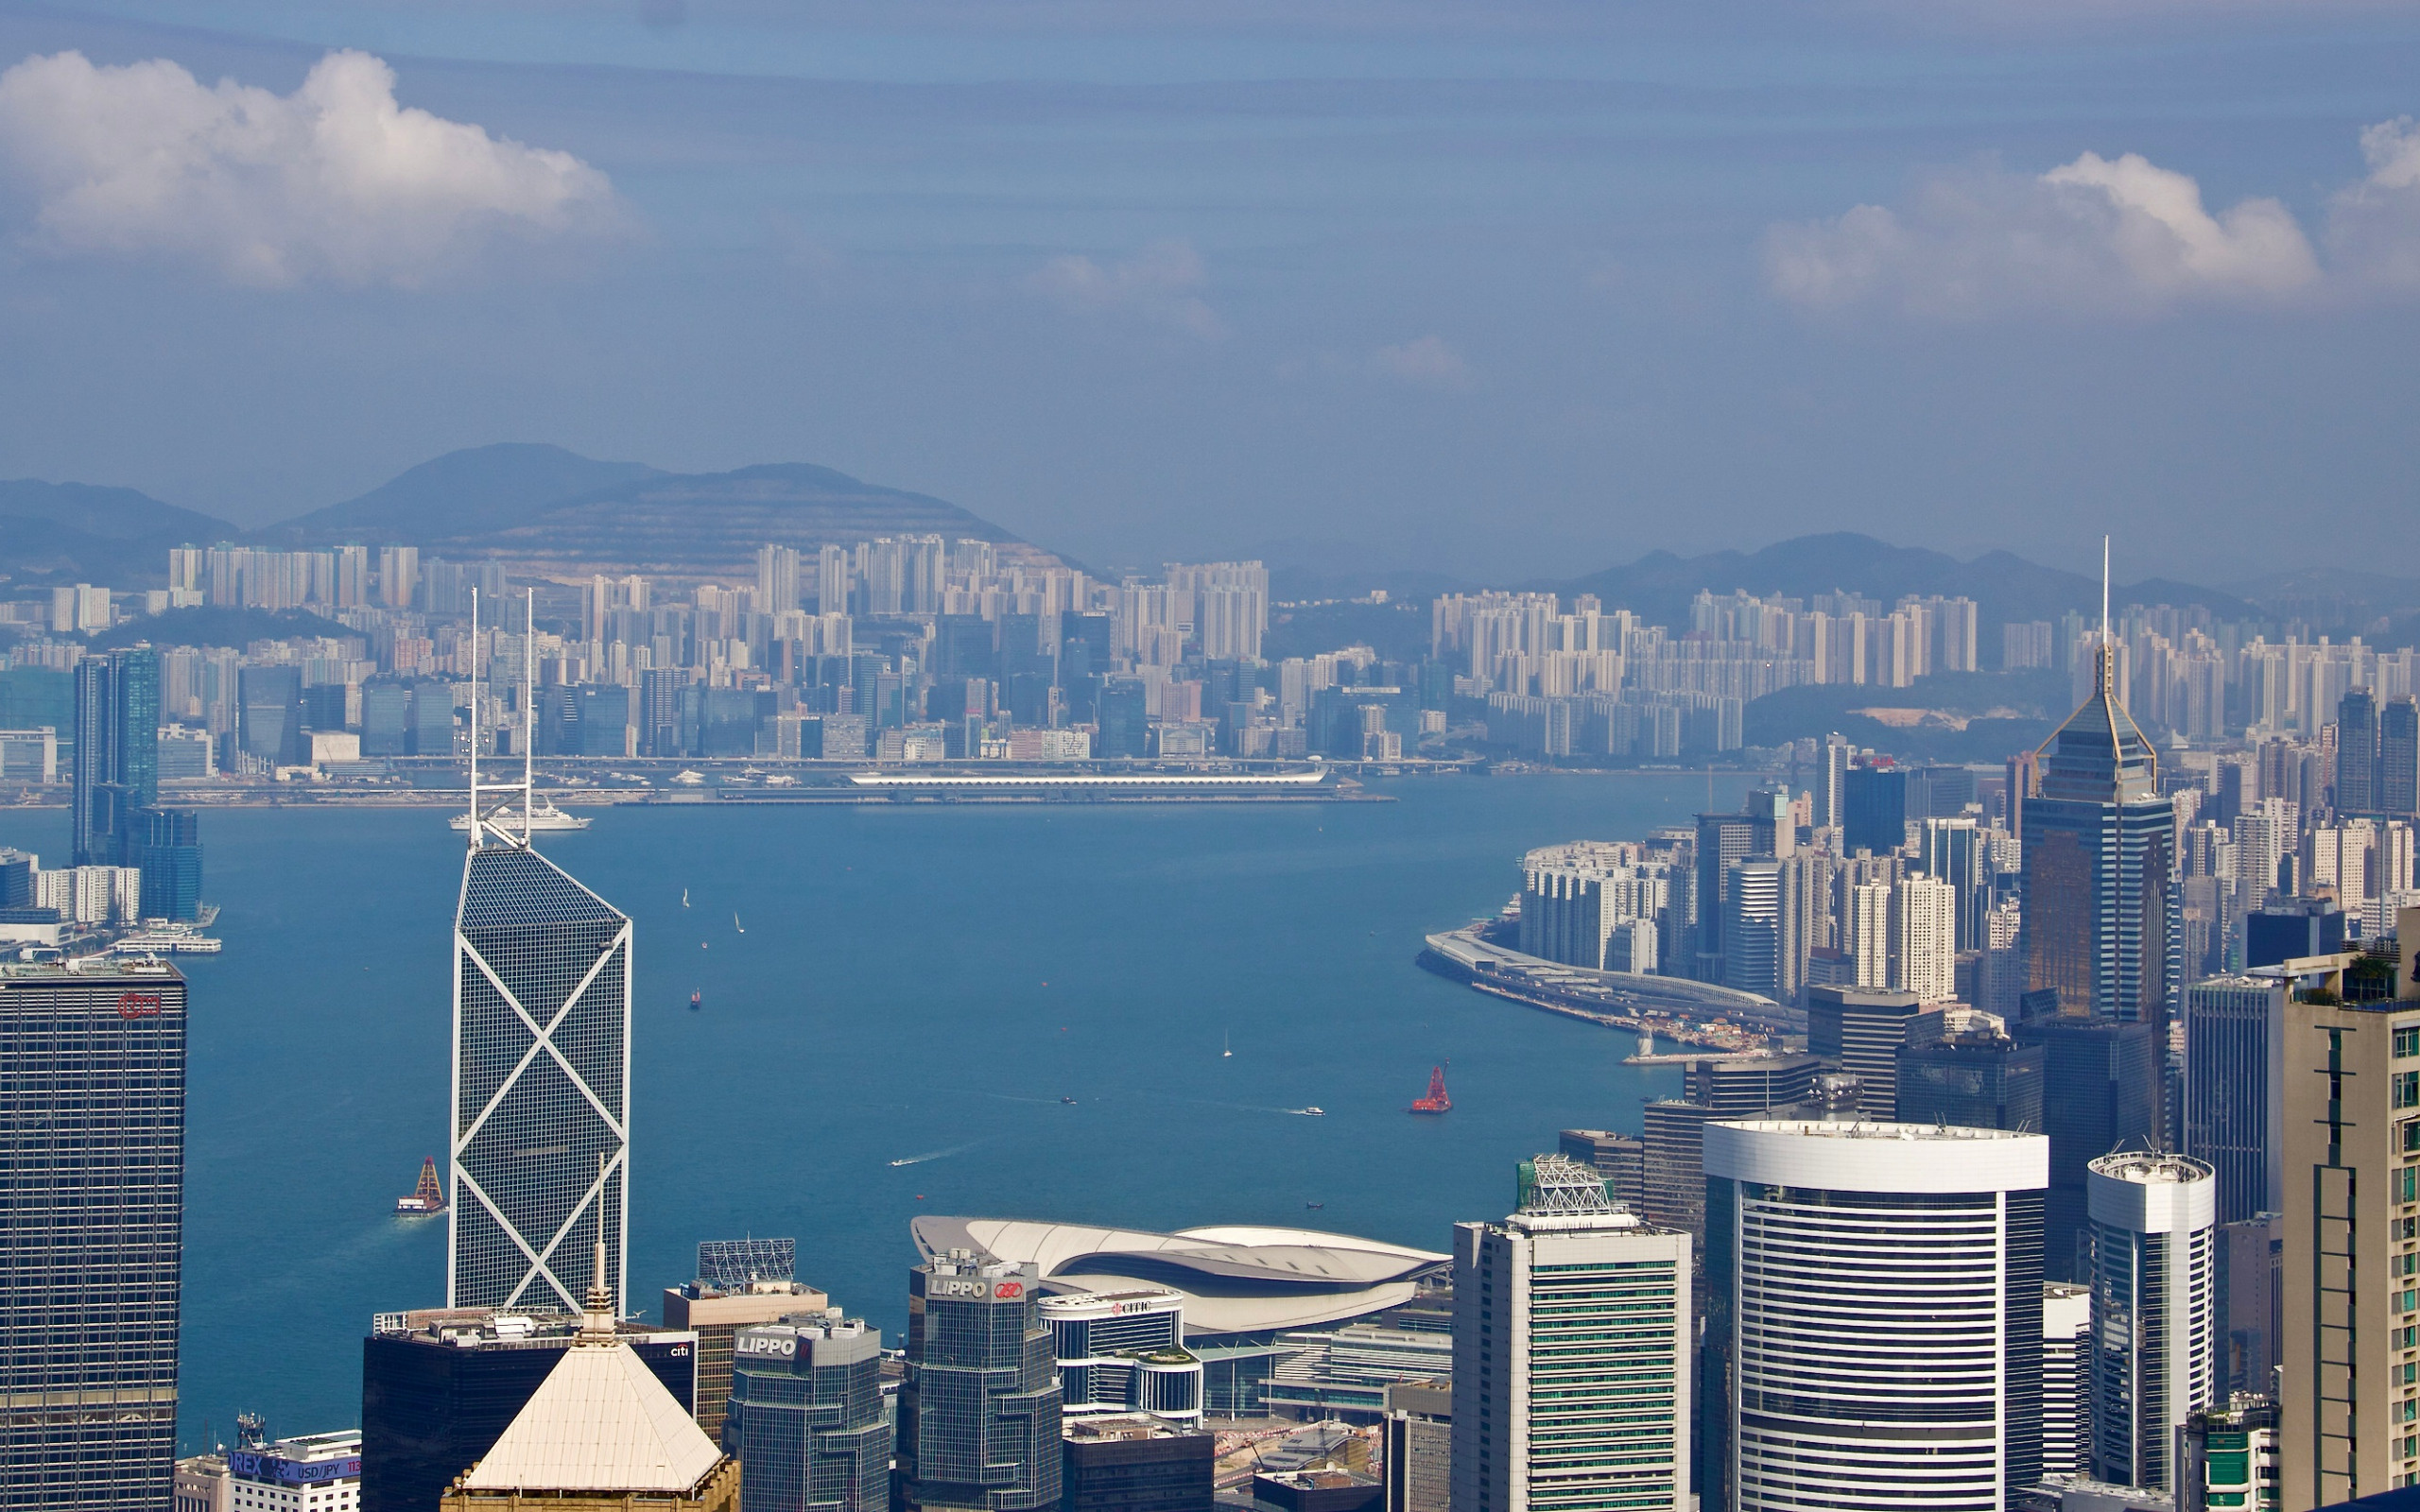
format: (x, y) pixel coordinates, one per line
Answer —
(139, 1006)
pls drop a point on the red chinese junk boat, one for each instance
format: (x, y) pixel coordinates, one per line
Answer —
(1436, 1102)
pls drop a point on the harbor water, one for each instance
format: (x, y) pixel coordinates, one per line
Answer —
(896, 1005)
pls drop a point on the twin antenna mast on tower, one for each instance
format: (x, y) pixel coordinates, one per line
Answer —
(486, 819)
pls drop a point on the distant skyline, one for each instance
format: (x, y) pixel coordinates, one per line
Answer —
(1507, 296)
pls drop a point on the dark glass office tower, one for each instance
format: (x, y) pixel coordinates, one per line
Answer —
(92, 1200)
(167, 848)
(117, 753)
(806, 1418)
(1973, 1076)
(978, 1413)
(2103, 1085)
(2399, 757)
(2357, 753)
(542, 1081)
(2104, 925)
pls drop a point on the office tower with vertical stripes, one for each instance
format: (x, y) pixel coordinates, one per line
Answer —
(91, 1159)
(1572, 1349)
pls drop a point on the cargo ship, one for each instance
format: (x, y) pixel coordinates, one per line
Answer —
(1436, 1102)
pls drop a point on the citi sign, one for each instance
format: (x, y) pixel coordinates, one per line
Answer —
(139, 1006)
(974, 1287)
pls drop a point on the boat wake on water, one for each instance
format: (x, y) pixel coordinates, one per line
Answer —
(936, 1155)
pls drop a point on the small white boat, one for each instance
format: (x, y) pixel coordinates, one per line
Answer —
(737, 925)
(544, 818)
(686, 777)
(1315, 1113)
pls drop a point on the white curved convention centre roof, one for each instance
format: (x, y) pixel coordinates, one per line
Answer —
(1235, 1278)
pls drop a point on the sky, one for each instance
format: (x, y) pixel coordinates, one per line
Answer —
(1506, 290)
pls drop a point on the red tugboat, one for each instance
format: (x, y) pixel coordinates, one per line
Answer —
(430, 1197)
(1436, 1102)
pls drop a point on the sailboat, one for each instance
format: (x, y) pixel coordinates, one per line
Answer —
(736, 925)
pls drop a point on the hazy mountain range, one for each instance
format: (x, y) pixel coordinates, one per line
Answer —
(552, 512)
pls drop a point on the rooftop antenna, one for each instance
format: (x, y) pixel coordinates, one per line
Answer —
(483, 820)
(530, 708)
(2105, 590)
(474, 717)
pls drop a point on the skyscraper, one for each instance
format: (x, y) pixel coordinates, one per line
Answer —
(2351, 1243)
(1571, 1353)
(117, 753)
(2356, 753)
(1831, 772)
(805, 1416)
(542, 1073)
(978, 1413)
(2103, 914)
(91, 1160)
(2234, 1104)
(1873, 1326)
(2101, 1091)
(2399, 757)
(2154, 1305)
(2067, 1416)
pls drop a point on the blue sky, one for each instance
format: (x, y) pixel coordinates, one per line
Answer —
(1507, 290)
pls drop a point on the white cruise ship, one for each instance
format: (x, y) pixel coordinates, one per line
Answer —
(544, 818)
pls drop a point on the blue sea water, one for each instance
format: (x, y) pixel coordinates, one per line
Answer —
(919, 984)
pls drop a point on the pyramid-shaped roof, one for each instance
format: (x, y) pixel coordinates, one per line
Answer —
(601, 1422)
(2100, 755)
(510, 887)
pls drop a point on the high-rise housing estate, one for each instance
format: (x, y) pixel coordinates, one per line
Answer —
(2349, 1338)
(92, 1157)
(2155, 1312)
(979, 1411)
(2103, 916)
(1571, 1353)
(2234, 1104)
(805, 1416)
(540, 1140)
(1874, 1324)
(1924, 938)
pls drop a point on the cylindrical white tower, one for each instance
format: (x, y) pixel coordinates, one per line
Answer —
(2155, 1310)
(1873, 1321)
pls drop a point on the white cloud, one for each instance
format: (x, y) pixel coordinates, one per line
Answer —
(2106, 235)
(2374, 226)
(335, 181)
(1155, 285)
(1426, 361)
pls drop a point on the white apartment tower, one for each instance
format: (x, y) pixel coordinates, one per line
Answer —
(1571, 1353)
(2155, 1310)
(1874, 1315)
(1924, 930)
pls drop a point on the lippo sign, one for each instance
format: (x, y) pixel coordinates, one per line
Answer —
(974, 1288)
(139, 1006)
